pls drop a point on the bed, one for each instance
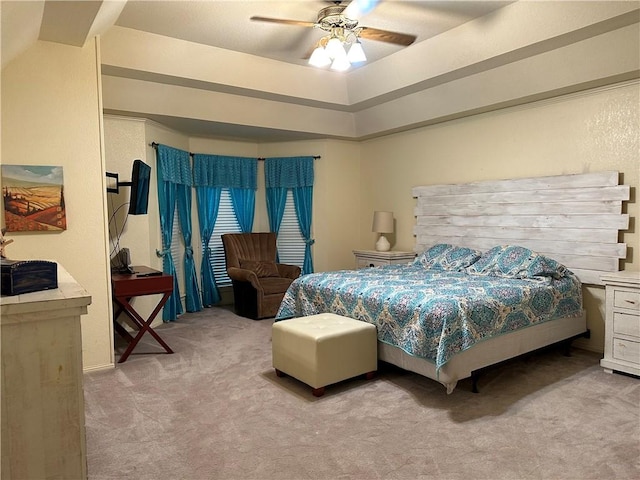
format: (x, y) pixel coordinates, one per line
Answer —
(499, 273)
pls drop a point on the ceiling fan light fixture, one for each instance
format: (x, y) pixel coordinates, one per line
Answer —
(334, 48)
(319, 57)
(356, 53)
(343, 31)
(340, 60)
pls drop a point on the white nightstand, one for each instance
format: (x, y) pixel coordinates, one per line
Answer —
(373, 258)
(622, 324)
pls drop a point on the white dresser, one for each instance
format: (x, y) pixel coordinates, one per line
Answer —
(373, 258)
(622, 323)
(42, 398)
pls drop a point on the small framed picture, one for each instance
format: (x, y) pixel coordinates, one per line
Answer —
(33, 198)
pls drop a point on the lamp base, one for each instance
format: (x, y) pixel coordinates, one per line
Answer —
(383, 245)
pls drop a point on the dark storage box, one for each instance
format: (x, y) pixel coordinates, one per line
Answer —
(25, 276)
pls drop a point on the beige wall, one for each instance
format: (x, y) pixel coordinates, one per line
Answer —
(592, 131)
(124, 142)
(336, 198)
(51, 116)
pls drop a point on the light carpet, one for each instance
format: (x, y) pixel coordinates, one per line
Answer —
(216, 410)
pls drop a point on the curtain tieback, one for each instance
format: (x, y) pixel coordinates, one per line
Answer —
(310, 242)
(163, 253)
(188, 251)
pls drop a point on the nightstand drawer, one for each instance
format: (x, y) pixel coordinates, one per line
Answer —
(373, 258)
(366, 263)
(623, 299)
(626, 350)
(626, 324)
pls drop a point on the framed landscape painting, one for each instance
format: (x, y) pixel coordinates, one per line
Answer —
(33, 198)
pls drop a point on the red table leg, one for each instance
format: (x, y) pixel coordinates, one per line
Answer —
(143, 325)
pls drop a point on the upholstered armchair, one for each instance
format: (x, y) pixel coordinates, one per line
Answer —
(259, 283)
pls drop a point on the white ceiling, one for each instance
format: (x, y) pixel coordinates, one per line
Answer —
(228, 24)
(171, 60)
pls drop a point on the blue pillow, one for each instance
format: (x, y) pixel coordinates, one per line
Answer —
(513, 261)
(445, 257)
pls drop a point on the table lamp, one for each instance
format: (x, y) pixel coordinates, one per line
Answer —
(382, 223)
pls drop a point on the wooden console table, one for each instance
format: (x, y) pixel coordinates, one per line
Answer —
(125, 286)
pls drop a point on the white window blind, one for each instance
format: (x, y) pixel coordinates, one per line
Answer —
(177, 249)
(290, 241)
(225, 223)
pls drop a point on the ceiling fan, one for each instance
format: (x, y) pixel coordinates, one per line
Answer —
(338, 20)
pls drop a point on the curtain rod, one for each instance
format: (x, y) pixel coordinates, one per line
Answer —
(315, 157)
(155, 145)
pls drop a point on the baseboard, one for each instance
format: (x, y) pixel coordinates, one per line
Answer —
(97, 368)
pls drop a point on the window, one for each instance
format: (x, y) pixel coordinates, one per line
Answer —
(177, 249)
(291, 244)
(225, 223)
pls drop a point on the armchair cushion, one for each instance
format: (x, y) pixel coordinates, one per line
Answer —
(275, 286)
(261, 268)
(288, 271)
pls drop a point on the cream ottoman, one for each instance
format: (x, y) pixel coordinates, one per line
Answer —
(323, 349)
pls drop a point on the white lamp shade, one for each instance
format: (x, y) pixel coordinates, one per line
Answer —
(382, 222)
(334, 48)
(356, 53)
(319, 58)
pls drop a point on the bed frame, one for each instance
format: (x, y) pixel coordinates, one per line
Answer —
(574, 219)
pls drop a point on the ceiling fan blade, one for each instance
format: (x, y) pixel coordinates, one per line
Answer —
(387, 36)
(282, 21)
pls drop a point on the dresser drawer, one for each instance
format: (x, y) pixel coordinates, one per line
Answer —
(626, 324)
(624, 299)
(626, 350)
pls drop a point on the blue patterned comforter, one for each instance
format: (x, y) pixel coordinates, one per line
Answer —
(433, 314)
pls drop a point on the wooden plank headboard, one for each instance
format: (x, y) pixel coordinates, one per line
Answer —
(574, 219)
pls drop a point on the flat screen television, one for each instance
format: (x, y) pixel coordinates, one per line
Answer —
(139, 195)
